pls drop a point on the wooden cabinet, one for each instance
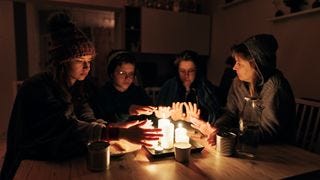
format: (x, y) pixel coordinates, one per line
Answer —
(167, 32)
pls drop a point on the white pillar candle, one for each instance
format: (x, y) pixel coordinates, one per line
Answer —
(181, 135)
(163, 122)
(168, 133)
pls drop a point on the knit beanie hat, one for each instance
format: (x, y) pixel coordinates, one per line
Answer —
(67, 41)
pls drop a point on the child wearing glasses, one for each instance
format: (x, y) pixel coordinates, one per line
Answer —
(119, 99)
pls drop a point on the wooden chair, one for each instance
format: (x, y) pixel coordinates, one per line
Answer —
(308, 124)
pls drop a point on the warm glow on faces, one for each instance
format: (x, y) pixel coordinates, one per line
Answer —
(123, 76)
(187, 73)
(79, 68)
(245, 71)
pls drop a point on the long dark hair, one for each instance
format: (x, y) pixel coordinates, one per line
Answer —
(188, 55)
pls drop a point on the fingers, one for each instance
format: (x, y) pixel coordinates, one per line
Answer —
(211, 142)
(147, 110)
(147, 144)
(211, 139)
(147, 125)
(195, 110)
(174, 105)
(186, 105)
(154, 130)
(152, 138)
(191, 110)
(195, 126)
(126, 124)
(196, 121)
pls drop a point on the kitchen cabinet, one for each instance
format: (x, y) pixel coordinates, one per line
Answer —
(160, 31)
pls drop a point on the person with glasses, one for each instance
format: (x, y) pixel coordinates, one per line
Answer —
(50, 119)
(190, 85)
(119, 99)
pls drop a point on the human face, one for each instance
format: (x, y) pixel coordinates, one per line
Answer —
(79, 68)
(123, 76)
(187, 73)
(245, 70)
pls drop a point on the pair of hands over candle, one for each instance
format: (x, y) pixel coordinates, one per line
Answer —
(176, 111)
(192, 115)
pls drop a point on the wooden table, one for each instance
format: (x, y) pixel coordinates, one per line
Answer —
(271, 162)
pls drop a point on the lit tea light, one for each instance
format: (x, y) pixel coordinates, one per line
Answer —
(158, 148)
(181, 134)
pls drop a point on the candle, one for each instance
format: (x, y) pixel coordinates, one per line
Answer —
(168, 133)
(181, 134)
(158, 148)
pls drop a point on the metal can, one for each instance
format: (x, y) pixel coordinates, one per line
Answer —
(98, 157)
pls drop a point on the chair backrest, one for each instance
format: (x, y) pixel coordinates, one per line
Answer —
(153, 93)
(308, 127)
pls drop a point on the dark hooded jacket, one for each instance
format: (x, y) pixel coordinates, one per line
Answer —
(45, 124)
(203, 93)
(275, 98)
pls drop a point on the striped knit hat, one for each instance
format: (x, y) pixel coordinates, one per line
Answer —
(67, 41)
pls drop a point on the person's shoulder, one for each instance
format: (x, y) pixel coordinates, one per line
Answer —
(106, 90)
(37, 80)
(107, 86)
(170, 82)
(134, 87)
(277, 80)
(38, 85)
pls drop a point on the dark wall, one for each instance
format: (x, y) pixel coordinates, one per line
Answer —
(155, 69)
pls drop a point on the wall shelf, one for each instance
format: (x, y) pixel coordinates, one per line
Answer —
(308, 11)
(226, 5)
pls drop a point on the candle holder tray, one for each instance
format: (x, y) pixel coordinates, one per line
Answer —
(195, 148)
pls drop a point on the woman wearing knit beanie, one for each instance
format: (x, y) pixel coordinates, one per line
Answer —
(50, 119)
(257, 79)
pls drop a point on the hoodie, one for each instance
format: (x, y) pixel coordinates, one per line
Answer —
(275, 98)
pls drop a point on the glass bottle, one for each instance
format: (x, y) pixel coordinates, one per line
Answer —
(249, 125)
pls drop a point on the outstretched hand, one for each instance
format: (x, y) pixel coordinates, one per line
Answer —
(124, 124)
(139, 135)
(177, 111)
(192, 111)
(206, 129)
(139, 110)
(163, 112)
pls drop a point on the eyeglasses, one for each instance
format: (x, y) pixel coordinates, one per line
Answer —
(126, 75)
(185, 72)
